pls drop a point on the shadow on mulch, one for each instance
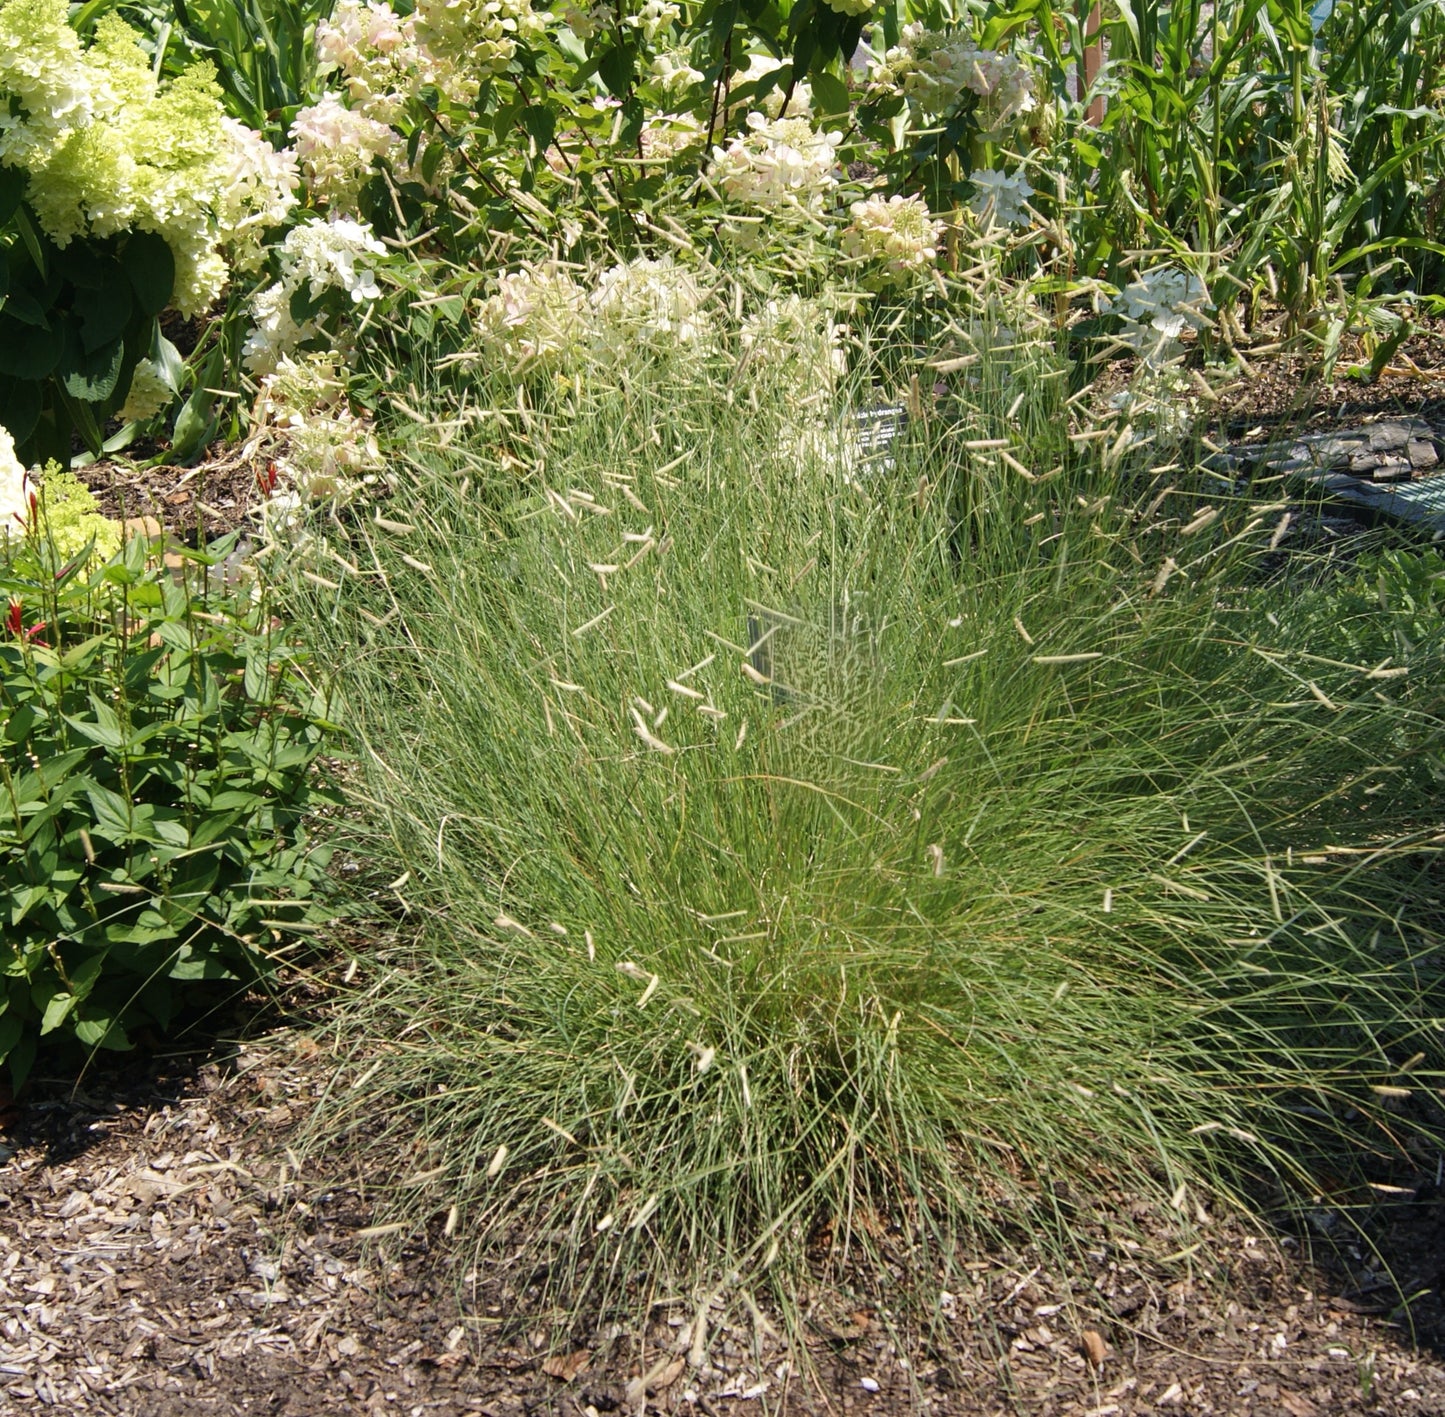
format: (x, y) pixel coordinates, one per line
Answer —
(73, 1093)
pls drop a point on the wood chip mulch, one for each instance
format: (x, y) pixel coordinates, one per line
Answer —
(165, 1251)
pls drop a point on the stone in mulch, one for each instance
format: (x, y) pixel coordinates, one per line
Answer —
(1389, 468)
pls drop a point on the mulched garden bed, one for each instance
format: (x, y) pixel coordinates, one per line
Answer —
(167, 1250)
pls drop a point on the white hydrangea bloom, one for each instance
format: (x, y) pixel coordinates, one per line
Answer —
(273, 331)
(322, 256)
(481, 35)
(375, 51)
(382, 63)
(933, 69)
(109, 148)
(667, 134)
(800, 104)
(1000, 198)
(799, 339)
(257, 191)
(895, 236)
(150, 392)
(1156, 307)
(335, 253)
(780, 167)
(585, 20)
(654, 17)
(324, 450)
(42, 65)
(673, 74)
(1160, 403)
(647, 299)
(15, 489)
(337, 148)
(538, 316)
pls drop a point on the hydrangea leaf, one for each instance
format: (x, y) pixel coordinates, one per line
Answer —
(152, 270)
(19, 406)
(84, 267)
(23, 306)
(90, 375)
(104, 313)
(13, 181)
(28, 351)
(830, 94)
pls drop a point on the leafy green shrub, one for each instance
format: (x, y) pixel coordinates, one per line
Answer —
(157, 759)
(121, 196)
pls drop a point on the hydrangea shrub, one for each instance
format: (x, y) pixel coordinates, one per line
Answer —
(121, 196)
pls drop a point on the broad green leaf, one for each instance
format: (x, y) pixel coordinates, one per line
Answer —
(56, 1011)
(104, 312)
(20, 404)
(13, 181)
(21, 720)
(11, 1027)
(112, 812)
(830, 94)
(23, 306)
(194, 426)
(28, 352)
(24, 899)
(616, 67)
(540, 121)
(108, 736)
(102, 1032)
(149, 928)
(235, 798)
(151, 268)
(90, 375)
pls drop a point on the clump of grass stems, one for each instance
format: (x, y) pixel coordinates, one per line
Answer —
(793, 846)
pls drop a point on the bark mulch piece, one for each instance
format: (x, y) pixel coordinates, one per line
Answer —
(165, 1252)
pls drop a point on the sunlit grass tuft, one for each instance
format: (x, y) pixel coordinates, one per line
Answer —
(795, 844)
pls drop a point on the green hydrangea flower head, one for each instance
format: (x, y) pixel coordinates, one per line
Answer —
(110, 149)
(119, 65)
(70, 520)
(42, 65)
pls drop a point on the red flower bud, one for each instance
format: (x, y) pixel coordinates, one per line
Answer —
(15, 620)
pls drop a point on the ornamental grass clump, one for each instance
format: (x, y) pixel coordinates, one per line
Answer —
(789, 860)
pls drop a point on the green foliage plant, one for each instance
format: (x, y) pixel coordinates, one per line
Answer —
(1290, 145)
(798, 843)
(263, 51)
(122, 196)
(158, 762)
